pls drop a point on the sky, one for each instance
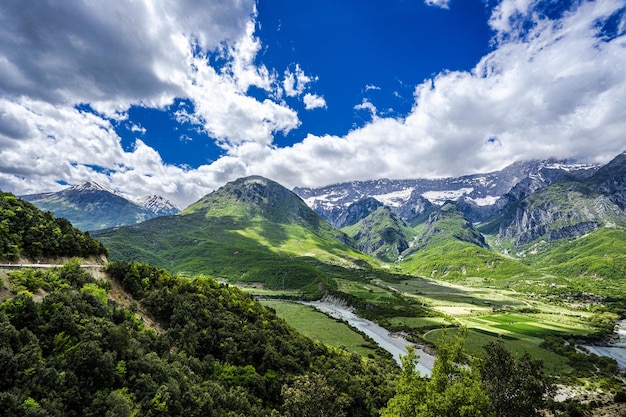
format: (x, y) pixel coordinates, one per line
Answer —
(178, 97)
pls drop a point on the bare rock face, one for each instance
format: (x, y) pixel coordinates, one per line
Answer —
(564, 210)
(357, 211)
(611, 180)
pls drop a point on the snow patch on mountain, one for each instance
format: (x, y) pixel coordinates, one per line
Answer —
(158, 205)
(440, 197)
(394, 199)
(485, 201)
(92, 186)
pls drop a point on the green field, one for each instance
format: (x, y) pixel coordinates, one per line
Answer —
(489, 314)
(476, 339)
(318, 326)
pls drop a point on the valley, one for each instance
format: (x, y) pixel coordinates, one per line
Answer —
(536, 268)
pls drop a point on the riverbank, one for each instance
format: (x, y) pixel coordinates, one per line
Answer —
(394, 344)
(616, 349)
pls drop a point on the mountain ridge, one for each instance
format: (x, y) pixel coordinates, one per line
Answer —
(252, 228)
(411, 198)
(92, 206)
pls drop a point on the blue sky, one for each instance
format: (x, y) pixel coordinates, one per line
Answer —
(178, 97)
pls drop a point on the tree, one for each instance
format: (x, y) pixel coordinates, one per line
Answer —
(515, 387)
(311, 396)
(454, 388)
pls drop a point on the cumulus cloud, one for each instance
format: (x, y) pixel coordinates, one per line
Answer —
(57, 56)
(296, 81)
(552, 85)
(313, 101)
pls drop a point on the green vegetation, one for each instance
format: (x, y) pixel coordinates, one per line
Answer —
(239, 234)
(219, 352)
(318, 326)
(212, 343)
(27, 232)
(460, 385)
(454, 260)
(382, 235)
(595, 263)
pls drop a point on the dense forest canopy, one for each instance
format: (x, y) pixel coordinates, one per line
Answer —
(26, 232)
(79, 353)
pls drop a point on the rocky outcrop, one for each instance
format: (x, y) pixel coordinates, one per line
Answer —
(611, 180)
(565, 210)
(357, 211)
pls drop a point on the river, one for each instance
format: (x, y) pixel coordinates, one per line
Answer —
(393, 344)
(617, 349)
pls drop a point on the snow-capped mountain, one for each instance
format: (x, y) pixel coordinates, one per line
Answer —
(92, 206)
(478, 194)
(158, 205)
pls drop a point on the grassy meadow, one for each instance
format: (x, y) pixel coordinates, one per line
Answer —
(320, 327)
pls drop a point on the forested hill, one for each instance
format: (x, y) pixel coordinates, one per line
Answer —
(217, 352)
(27, 232)
(74, 349)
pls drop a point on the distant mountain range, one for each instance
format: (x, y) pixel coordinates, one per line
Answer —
(91, 206)
(479, 195)
(524, 204)
(478, 224)
(253, 229)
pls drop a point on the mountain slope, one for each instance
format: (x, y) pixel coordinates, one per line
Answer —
(563, 210)
(450, 248)
(27, 232)
(595, 263)
(382, 234)
(90, 206)
(252, 229)
(76, 351)
(610, 180)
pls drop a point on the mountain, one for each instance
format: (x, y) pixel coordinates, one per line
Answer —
(381, 234)
(356, 211)
(158, 205)
(449, 247)
(251, 229)
(569, 206)
(91, 206)
(413, 199)
(449, 222)
(610, 180)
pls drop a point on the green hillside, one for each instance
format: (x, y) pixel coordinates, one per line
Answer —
(27, 232)
(382, 235)
(595, 262)
(215, 351)
(449, 247)
(250, 230)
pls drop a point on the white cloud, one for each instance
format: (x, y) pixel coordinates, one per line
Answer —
(369, 106)
(555, 90)
(548, 88)
(444, 4)
(312, 101)
(296, 82)
(55, 56)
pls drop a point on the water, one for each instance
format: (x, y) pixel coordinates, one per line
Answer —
(617, 349)
(393, 344)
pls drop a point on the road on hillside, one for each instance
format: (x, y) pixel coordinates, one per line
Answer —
(44, 266)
